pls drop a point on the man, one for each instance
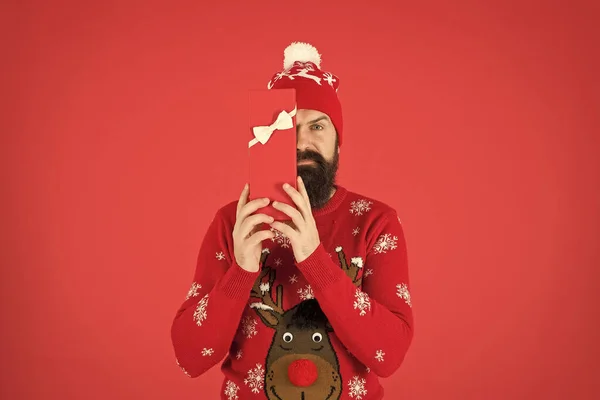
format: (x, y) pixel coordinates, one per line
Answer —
(319, 308)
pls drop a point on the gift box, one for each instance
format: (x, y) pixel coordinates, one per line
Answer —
(272, 147)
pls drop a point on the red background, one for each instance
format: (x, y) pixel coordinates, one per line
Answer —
(478, 122)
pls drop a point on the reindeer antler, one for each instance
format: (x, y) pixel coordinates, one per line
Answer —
(268, 310)
(353, 269)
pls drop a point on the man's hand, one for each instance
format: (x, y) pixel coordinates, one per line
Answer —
(247, 242)
(304, 237)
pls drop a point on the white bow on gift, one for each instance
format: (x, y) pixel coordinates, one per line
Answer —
(262, 134)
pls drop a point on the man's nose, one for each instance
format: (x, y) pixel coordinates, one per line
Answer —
(302, 140)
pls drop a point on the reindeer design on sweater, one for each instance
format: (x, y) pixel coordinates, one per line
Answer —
(301, 362)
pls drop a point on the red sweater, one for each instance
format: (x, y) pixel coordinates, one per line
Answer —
(325, 328)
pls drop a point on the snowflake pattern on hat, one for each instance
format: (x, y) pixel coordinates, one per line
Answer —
(329, 78)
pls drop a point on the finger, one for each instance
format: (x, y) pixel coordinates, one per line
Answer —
(297, 198)
(243, 199)
(259, 236)
(302, 190)
(251, 222)
(247, 210)
(291, 212)
(252, 207)
(285, 229)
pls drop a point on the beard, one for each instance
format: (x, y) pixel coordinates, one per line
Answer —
(319, 177)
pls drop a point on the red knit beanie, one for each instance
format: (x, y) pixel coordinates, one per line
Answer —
(315, 89)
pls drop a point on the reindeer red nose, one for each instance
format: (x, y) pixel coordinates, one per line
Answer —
(302, 372)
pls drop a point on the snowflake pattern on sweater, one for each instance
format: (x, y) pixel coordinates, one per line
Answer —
(359, 207)
(249, 327)
(255, 378)
(354, 285)
(357, 387)
(193, 292)
(231, 390)
(385, 242)
(281, 239)
(403, 293)
(201, 313)
(362, 302)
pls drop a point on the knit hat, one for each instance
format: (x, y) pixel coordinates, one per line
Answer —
(315, 89)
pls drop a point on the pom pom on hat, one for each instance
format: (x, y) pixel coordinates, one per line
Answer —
(303, 52)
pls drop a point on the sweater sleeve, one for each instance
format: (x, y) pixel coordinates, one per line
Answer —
(382, 308)
(205, 324)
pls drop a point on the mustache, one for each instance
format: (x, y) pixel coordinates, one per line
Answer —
(310, 155)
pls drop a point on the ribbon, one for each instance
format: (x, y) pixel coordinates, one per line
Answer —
(262, 134)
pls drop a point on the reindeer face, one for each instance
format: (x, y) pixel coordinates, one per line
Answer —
(301, 363)
(298, 376)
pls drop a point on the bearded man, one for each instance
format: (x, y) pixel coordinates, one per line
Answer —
(319, 308)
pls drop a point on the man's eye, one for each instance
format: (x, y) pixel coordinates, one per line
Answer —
(317, 127)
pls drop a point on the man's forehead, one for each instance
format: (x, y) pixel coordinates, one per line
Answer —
(309, 115)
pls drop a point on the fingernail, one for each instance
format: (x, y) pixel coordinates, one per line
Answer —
(286, 186)
(246, 186)
(266, 199)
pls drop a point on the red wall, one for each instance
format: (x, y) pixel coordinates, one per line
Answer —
(120, 138)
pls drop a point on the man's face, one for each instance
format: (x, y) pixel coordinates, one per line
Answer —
(317, 154)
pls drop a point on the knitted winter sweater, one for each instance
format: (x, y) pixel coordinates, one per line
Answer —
(324, 328)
